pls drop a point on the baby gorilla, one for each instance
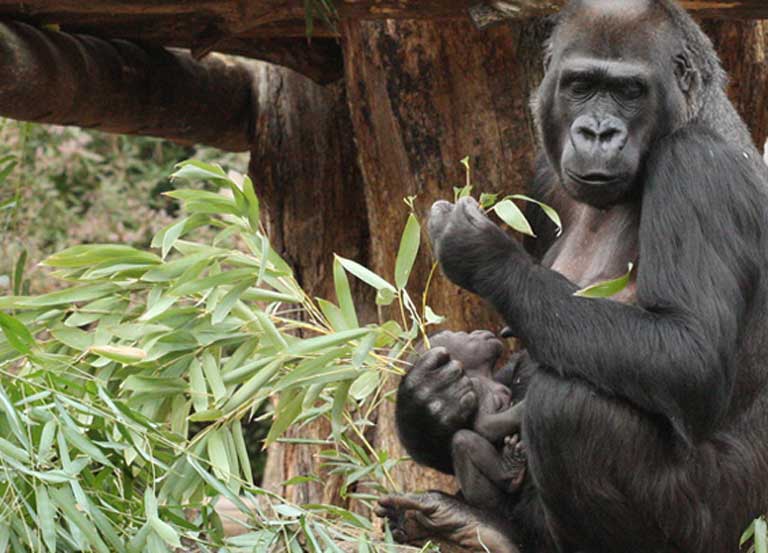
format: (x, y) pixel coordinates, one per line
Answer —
(488, 458)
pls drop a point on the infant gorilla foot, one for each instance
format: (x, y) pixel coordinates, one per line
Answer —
(513, 460)
(415, 518)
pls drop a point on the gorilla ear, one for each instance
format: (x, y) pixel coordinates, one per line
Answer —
(686, 74)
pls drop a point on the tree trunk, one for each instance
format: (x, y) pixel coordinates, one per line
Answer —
(424, 95)
(743, 47)
(304, 167)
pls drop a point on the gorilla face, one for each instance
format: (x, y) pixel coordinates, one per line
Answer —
(607, 96)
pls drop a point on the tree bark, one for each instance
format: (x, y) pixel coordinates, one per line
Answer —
(303, 163)
(743, 48)
(423, 95)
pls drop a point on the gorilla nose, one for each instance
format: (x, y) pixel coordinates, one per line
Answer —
(592, 136)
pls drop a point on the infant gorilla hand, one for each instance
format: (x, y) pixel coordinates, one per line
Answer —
(478, 351)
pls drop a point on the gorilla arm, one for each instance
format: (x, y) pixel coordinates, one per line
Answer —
(670, 355)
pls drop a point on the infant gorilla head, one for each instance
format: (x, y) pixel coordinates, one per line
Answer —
(487, 457)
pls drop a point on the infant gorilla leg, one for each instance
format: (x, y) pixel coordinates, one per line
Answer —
(486, 475)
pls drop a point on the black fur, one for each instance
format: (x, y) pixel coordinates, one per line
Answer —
(647, 424)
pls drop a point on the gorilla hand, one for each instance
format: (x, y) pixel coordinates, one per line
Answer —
(467, 243)
(434, 400)
(416, 518)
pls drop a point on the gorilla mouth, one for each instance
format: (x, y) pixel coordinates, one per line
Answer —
(594, 179)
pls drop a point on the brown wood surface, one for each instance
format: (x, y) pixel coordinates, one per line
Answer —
(228, 25)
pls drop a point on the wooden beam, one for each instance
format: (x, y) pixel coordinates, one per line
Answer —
(201, 24)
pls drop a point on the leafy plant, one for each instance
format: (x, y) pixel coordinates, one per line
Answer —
(100, 381)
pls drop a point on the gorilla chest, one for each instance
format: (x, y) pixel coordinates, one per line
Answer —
(596, 245)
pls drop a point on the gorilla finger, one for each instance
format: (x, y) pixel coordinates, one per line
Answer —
(433, 359)
(439, 216)
(472, 211)
(468, 400)
(410, 502)
(484, 334)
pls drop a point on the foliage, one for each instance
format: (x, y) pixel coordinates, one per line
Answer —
(61, 186)
(100, 381)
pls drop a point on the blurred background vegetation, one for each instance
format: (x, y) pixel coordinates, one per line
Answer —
(69, 186)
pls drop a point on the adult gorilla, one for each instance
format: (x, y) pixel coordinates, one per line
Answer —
(646, 420)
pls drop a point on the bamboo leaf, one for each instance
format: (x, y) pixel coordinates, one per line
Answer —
(198, 390)
(409, 249)
(288, 409)
(761, 536)
(17, 334)
(122, 354)
(344, 295)
(548, 211)
(366, 275)
(607, 288)
(513, 216)
(213, 376)
(46, 516)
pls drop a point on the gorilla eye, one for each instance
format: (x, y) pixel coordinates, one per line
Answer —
(632, 90)
(579, 87)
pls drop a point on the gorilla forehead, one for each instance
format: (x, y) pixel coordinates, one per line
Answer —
(614, 29)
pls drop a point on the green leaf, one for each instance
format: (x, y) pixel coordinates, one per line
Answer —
(246, 392)
(217, 455)
(171, 235)
(198, 390)
(17, 334)
(761, 536)
(122, 354)
(607, 288)
(320, 343)
(513, 216)
(409, 249)
(253, 203)
(366, 275)
(337, 411)
(204, 284)
(165, 531)
(385, 296)
(198, 170)
(333, 314)
(433, 318)
(66, 503)
(287, 410)
(213, 376)
(66, 296)
(242, 451)
(154, 385)
(202, 201)
(92, 254)
(269, 328)
(46, 516)
(344, 295)
(488, 200)
(228, 302)
(548, 211)
(18, 273)
(77, 440)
